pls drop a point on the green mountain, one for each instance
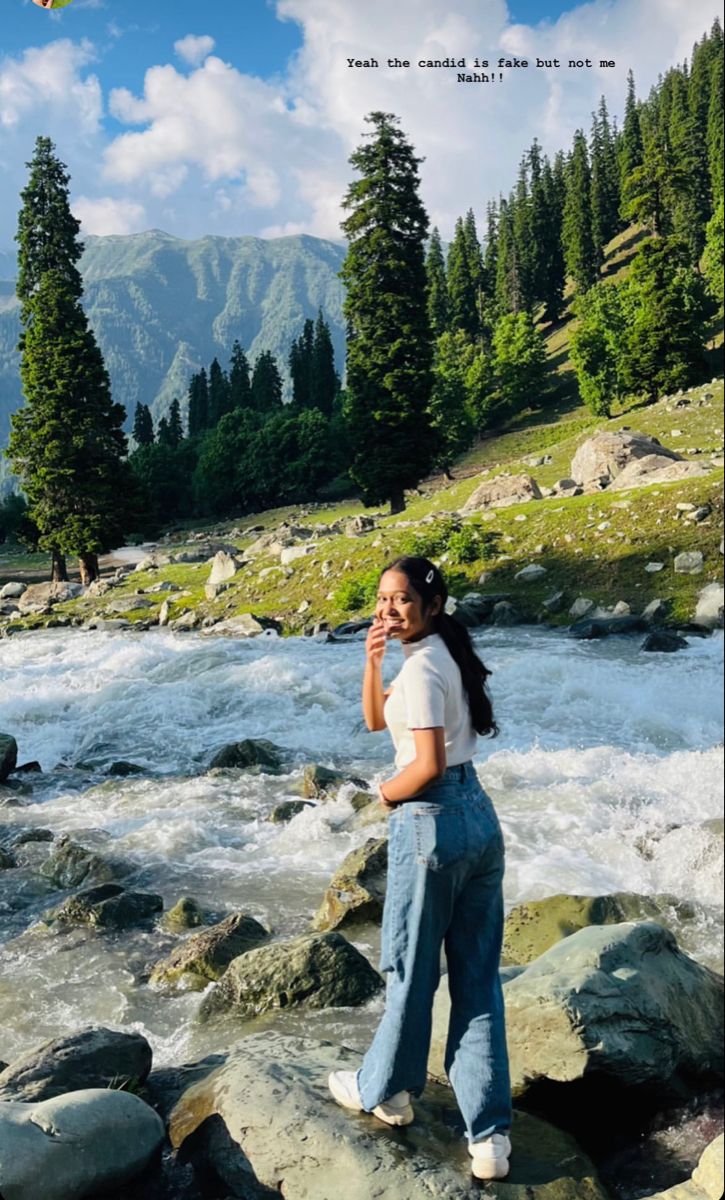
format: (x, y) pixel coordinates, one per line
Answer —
(162, 307)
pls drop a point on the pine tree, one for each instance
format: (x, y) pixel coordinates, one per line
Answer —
(176, 428)
(143, 426)
(691, 207)
(540, 220)
(668, 326)
(325, 380)
(712, 259)
(450, 412)
(240, 389)
(198, 404)
(435, 269)
(583, 258)
(490, 252)
(475, 259)
(66, 442)
(266, 384)
(462, 295)
(301, 365)
(631, 153)
(553, 269)
(605, 178)
(715, 126)
(509, 291)
(163, 433)
(389, 340)
(219, 394)
(523, 236)
(650, 192)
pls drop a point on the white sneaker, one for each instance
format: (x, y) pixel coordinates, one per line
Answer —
(491, 1156)
(396, 1110)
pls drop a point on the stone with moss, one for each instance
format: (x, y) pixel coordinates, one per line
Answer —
(315, 970)
(205, 956)
(356, 892)
(324, 783)
(255, 755)
(187, 913)
(533, 927)
(70, 864)
(284, 812)
(108, 906)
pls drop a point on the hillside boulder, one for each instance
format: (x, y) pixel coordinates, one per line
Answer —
(502, 490)
(602, 457)
(656, 468)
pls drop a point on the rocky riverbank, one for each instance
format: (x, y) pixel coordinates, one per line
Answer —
(612, 529)
(605, 1012)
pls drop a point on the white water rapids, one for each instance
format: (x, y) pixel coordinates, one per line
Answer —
(608, 763)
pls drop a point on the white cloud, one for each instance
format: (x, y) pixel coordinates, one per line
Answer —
(48, 80)
(193, 49)
(105, 215)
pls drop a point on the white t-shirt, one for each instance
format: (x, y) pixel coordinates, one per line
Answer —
(428, 692)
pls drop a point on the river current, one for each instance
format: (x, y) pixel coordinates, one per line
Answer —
(608, 764)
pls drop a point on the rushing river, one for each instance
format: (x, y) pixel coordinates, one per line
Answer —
(608, 763)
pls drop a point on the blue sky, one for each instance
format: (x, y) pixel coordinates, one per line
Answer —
(239, 118)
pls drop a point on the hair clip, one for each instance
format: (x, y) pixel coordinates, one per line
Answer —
(430, 576)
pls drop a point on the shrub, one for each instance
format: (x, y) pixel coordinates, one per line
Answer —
(358, 592)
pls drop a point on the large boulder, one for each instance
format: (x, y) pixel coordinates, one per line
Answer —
(89, 1058)
(655, 468)
(602, 457)
(70, 864)
(75, 1145)
(12, 591)
(223, 567)
(39, 596)
(324, 783)
(8, 755)
(264, 1124)
(107, 906)
(243, 625)
(317, 970)
(709, 610)
(501, 491)
(356, 893)
(256, 755)
(533, 927)
(621, 1001)
(205, 956)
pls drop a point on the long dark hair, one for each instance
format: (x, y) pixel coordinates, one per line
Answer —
(428, 582)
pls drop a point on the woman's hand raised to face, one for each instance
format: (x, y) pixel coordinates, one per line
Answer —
(375, 642)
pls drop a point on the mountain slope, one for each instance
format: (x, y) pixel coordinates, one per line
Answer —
(162, 307)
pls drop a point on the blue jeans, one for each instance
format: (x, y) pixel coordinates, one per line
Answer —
(445, 873)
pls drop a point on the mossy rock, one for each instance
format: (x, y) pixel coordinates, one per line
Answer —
(185, 914)
(315, 970)
(357, 889)
(288, 809)
(533, 927)
(108, 906)
(71, 864)
(324, 783)
(252, 754)
(205, 956)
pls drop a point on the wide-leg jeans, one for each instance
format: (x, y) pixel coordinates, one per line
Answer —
(445, 874)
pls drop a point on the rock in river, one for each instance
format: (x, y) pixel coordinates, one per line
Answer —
(107, 906)
(8, 755)
(89, 1058)
(253, 754)
(205, 956)
(357, 889)
(75, 1145)
(317, 970)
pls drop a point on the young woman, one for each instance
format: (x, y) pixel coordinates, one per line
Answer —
(445, 871)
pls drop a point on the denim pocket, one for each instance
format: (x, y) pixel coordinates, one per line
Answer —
(440, 836)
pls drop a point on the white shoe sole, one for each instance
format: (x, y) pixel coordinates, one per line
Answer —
(391, 1116)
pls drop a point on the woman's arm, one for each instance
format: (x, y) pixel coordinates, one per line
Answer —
(373, 696)
(429, 763)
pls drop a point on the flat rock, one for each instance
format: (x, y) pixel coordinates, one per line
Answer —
(317, 970)
(533, 927)
(244, 625)
(44, 595)
(75, 1145)
(95, 1057)
(206, 955)
(356, 892)
(501, 491)
(277, 1129)
(592, 628)
(656, 469)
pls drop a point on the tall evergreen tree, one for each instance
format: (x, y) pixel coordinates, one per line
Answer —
(475, 259)
(605, 178)
(198, 403)
(510, 291)
(176, 428)
(266, 384)
(240, 388)
(691, 207)
(67, 441)
(523, 235)
(163, 433)
(540, 222)
(435, 268)
(325, 380)
(715, 127)
(490, 251)
(553, 269)
(450, 412)
(462, 295)
(712, 259)
(301, 365)
(631, 147)
(143, 426)
(389, 339)
(583, 258)
(219, 393)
